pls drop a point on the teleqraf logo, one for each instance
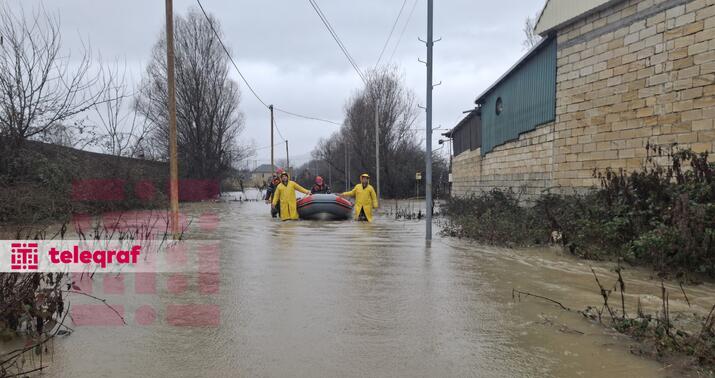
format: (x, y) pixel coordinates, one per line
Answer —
(98, 257)
(24, 257)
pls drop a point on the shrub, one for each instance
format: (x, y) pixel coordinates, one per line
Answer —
(662, 215)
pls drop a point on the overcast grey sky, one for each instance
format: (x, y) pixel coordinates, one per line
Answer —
(291, 61)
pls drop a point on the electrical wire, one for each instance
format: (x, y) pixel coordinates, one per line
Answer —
(275, 124)
(389, 36)
(306, 117)
(225, 49)
(229, 55)
(404, 28)
(337, 39)
(266, 147)
(335, 35)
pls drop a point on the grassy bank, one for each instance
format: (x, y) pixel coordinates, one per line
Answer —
(661, 216)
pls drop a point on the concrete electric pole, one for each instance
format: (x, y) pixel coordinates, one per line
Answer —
(273, 166)
(377, 144)
(288, 161)
(428, 151)
(171, 85)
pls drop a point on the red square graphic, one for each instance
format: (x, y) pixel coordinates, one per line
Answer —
(24, 256)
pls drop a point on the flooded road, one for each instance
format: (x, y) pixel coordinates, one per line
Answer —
(350, 299)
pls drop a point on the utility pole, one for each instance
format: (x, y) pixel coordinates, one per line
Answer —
(171, 85)
(288, 160)
(273, 166)
(377, 144)
(348, 171)
(428, 151)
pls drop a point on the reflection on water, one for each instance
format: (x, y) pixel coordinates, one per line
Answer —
(355, 299)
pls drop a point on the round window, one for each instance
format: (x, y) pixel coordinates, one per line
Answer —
(500, 106)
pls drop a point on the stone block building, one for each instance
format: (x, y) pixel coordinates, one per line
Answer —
(608, 78)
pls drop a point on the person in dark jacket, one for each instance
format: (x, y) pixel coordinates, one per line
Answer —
(275, 180)
(320, 187)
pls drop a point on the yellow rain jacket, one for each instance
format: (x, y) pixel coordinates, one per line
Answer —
(365, 200)
(286, 195)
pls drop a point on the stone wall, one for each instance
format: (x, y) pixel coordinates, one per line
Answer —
(638, 72)
(641, 71)
(524, 166)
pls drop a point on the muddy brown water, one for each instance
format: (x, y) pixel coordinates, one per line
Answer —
(312, 299)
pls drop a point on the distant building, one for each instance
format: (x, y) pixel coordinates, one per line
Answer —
(261, 175)
(608, 78)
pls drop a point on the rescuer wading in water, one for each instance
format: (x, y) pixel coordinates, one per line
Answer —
(285, 195)
(275, 180)
(365, 198)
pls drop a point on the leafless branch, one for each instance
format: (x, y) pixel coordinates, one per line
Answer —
(41, 86)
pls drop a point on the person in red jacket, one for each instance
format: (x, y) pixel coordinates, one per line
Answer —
(320, 187)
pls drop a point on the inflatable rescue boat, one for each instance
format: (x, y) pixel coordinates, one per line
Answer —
(324, 207)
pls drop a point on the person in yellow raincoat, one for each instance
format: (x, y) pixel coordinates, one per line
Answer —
(365, 198)
(285, 194)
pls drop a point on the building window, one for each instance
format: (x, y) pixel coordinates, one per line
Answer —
(500, 106)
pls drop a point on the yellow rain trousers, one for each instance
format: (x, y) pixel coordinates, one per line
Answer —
(285, 194)
(365, 200)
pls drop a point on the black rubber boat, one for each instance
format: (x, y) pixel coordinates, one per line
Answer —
(324, 207)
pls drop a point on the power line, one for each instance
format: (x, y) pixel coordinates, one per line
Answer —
(211, 24)
(404, 28)
(266, 147)
(394, 25)
(306, 117)
(225, 49)
(275, 124)
(335, 36)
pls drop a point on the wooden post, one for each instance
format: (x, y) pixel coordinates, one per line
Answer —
(171, 85)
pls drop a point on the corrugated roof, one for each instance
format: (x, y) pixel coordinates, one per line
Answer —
(558, 13)
(516, 65)
(464, 121)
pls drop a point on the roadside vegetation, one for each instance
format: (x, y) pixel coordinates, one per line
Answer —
(56, 106)
(35, 307)
(683, 341)
(661, 216)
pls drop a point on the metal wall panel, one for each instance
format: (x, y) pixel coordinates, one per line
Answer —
(467, 135)
(528, 96)
(475, 132)
(460, 140)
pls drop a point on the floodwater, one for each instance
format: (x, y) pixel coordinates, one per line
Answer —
(306, 299)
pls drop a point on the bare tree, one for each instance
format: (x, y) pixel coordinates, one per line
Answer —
(530, 36)
(208, 118)
(400, 151)
(79, 135)
(124, 130)
(41, 86)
